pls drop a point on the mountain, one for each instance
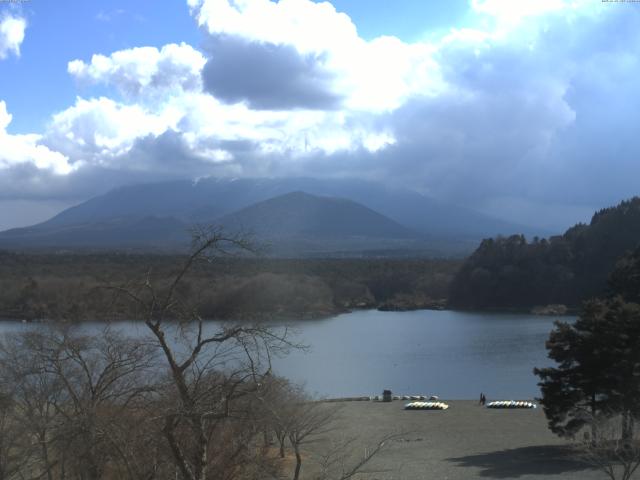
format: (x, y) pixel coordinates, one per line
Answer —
(300, 214)
(512, 273)
(300, 223)
(120, 232)
(295, 223)
(158, 216)
(208, 199)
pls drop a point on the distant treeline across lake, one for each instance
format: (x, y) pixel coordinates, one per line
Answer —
(72, 286)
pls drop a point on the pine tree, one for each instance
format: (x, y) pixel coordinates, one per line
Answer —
(598, 369)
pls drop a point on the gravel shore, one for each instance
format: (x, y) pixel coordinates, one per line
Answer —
(466, 441)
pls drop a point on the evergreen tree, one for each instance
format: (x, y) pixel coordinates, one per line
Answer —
(625, 279)
(598, 369)
(576, 389)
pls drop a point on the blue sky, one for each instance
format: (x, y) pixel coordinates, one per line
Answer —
(60, 31)
(522, 109)
(36, 84)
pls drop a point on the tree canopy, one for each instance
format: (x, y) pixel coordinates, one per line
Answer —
(598, 359)
(598, 369)
(512, 272)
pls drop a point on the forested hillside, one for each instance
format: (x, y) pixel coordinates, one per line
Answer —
(71, 286)
(513, 273)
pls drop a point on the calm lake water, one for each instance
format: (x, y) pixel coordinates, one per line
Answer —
(455, 355)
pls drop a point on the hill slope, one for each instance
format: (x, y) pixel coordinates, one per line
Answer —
(299, 223)
(212, 198)
(567, 269)
(301, 214)
(119, 232)
(294, 224)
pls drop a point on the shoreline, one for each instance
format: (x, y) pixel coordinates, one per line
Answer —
(312, 316)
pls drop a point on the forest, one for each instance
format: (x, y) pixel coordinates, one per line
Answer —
(517, 274)
(73, 286)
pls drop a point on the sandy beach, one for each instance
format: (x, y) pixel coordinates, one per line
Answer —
(466, 441)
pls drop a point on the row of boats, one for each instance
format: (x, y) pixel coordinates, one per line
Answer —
(426, 406)
(382, 398)
(444, 406)
(511, 404)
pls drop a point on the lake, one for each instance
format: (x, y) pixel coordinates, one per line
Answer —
(455, 355)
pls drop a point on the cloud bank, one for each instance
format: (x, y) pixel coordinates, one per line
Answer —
(529, 103)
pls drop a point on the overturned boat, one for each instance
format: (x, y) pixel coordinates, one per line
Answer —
(426, 406)
(511, 404)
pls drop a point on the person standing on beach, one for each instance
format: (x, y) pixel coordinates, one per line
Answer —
(483, 399)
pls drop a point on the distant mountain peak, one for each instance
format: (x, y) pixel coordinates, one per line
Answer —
(209, 200)
(300, 213)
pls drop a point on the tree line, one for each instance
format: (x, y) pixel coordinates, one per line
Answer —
(68, 286)
(514, 273)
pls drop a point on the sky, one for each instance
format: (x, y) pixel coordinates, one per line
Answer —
(523, 109)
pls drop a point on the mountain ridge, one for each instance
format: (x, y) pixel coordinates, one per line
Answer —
(295, 223)
(211, 198)
(167, 209)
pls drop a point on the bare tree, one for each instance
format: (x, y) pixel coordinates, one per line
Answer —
(615, 449)
(209, 369)
(274, 412)
(15, 449)
(72, 393)
(337, 462)
(35, 395)
(308, 421)
(292, 415)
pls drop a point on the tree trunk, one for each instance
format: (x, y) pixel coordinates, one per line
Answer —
(296, 473)
(45, 454)
(203, 444)
(594, 427)
(178, 456)
(627, 428)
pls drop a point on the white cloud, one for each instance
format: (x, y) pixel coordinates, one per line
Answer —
(97, 130)
(145, 70)
(11, 35)
(26, 149)
(311, 27)
(375, 75)
(511, 105)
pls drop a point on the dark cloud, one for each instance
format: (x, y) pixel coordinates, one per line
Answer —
(267, 76)
(150, 159)
(539, 123)
(552, 128)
